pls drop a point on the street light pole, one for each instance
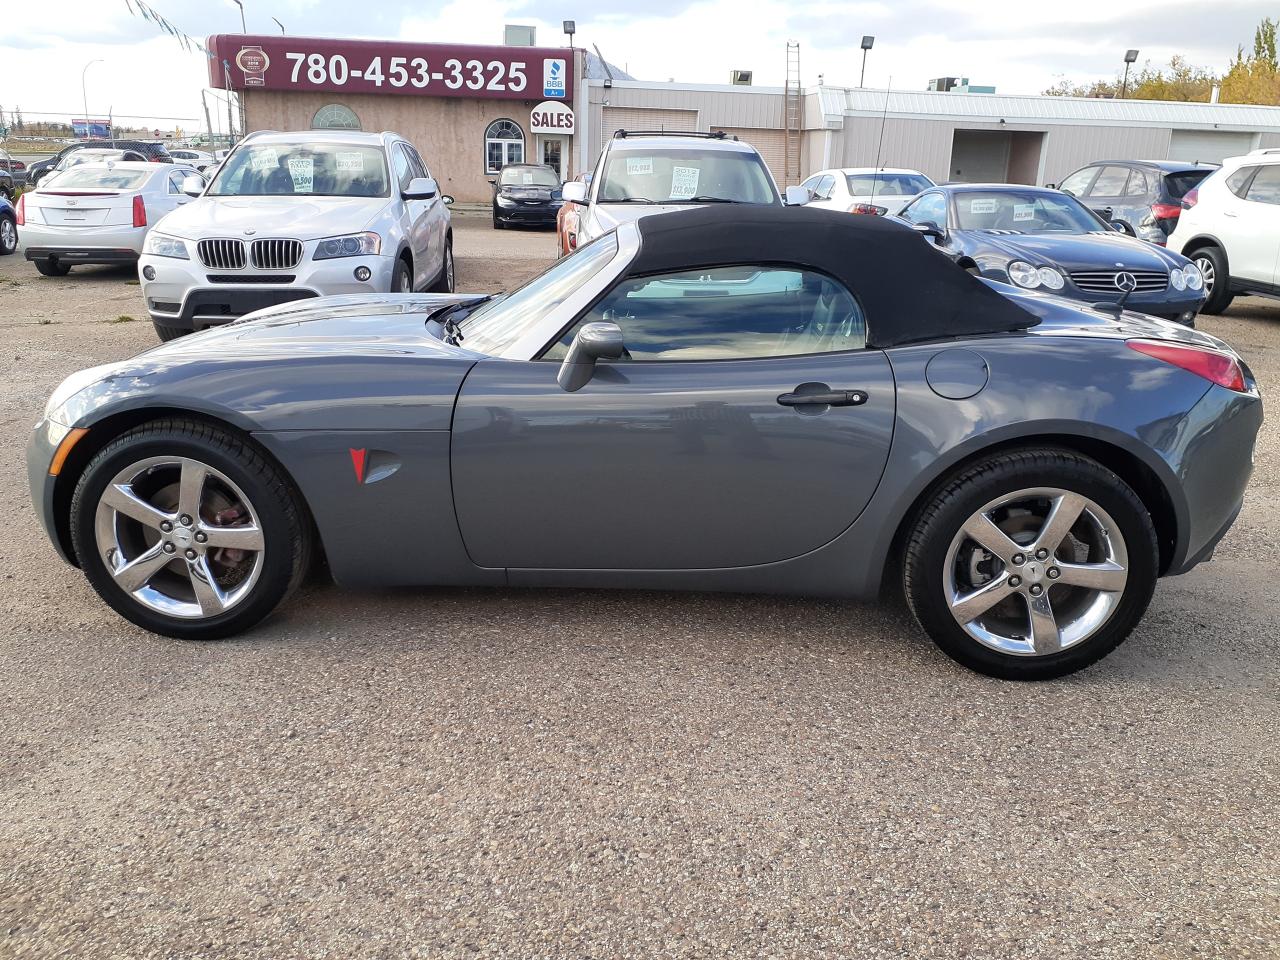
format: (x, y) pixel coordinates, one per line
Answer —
(1129, 57)
(867, 44)
(243, 28)
(84, 94)
(280, 25)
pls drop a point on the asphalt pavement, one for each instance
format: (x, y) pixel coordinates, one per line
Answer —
(589, 774)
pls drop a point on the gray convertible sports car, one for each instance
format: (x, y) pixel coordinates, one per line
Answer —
(764, 399)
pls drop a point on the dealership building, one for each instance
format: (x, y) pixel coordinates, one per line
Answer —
(470, 109)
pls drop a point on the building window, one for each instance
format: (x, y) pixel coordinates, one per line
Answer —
(503, 144)
(335, 117)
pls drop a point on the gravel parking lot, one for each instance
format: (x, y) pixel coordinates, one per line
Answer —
(502, 773)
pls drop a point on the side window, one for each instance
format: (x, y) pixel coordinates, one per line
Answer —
(1110, 182)
(1238, 182)
(1266, 185)
(404, 172)
(728, 313)
(1138, 186)
(415, 159)
(175, 181)
(812, 184)
(1078, 182)
(825, 185)
(930, 208)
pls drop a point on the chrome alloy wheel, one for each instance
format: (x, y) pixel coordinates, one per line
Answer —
(1036, 571)
(179, 537)
(8, 235)
(1205, 265)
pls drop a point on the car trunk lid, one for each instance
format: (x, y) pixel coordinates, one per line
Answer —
(83, 208)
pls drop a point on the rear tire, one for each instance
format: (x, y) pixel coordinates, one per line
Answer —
(167, 333)
(52, 268)
(237, 489)
(1213, 265)
(1034, 619)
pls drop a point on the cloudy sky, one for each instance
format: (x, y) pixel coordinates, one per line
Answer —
(1021, 47)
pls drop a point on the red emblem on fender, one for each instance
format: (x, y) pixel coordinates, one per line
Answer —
(357, 462)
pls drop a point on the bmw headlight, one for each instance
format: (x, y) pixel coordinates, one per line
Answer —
(1024, 274)
(159, 245)
(1195, 281)
(351, 245)
(1050, 278)
(1178, 278)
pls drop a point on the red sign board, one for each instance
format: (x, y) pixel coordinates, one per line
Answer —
(377, 66)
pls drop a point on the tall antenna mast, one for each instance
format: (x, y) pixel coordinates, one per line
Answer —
(884, 116)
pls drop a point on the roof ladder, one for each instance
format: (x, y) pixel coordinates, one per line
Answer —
(792, 117)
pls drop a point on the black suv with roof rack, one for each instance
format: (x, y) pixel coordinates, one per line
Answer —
(154, 152)
(1143, 195)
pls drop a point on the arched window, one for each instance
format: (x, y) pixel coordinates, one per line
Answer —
(335, 117)
(503, 144)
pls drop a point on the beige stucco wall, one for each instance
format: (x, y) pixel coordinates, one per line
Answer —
(448, 131)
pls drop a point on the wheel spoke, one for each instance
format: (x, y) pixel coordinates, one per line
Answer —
(210, 597)
(191, 488)
(1109, 576)
(1044, 625)
(241, 538)
(137, 573)
(970, 606)
(992, 538)
(1062, 517)
(123, 500)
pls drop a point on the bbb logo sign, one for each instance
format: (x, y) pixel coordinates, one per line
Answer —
(553, 78)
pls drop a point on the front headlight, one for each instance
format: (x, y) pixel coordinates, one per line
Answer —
(351, 245)
(1024, 274)
(505, 201)
(1178, 278)
(1195, 281)
(159, 245)
(1051, 278)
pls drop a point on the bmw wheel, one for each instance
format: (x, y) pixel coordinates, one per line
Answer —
(188, 531)
(1217, 280)
(1031, 565)
(402, 278)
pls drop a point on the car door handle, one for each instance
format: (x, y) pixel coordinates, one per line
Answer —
(830, 398)
(1229, 213)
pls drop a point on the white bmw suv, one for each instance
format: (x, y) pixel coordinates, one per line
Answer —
(296, 215)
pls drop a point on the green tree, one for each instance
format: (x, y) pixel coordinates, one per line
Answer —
(1256, 78)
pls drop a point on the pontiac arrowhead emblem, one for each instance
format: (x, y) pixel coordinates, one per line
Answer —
(357, 463)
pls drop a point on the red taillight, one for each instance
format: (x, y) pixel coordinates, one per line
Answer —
(22, 210)
(870, 208)
(1166, 211)
(1216, 367)
(573, 241)
(139, 212)
(1190, 198)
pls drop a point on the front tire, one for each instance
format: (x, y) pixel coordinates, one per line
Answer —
(8, 237)
(167, 333)
(402, 278)
(188, 531)
(1031, 565)
(445, 282)
(52, 268)
(1217, 279)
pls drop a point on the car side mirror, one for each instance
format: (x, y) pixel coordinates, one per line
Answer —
(594, 341)
(930, 230)
(575, 192)
(447, 200)
(1051, 186)
(797, 196)
(192, 186)
(420, 188)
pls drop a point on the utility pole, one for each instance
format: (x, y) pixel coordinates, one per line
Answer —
(85, 95)
(243, 28)
(207, 122)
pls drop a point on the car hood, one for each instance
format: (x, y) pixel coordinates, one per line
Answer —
(1090, 251)
(608, 216)
(303, 217)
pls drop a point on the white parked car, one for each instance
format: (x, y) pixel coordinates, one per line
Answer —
(98, 212)
(644, 173)
(1230, 229)
(294, 215)
(200, 159)
(881, 191)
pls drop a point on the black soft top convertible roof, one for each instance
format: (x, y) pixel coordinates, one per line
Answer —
(909, 291)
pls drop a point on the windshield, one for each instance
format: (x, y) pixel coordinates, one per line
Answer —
(502, 321)
(528, 177)
(311, 169)
(103, 177)
(890, 184)
(685, 175)
(1024, 212)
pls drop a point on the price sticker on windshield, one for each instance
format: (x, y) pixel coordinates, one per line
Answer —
(639, 166)
(303, 171)
(1024, 211)
(264, 159)
(684, 182)
(984, 206)
(349, 162)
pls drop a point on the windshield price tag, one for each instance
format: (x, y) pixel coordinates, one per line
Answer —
(302, 169)
(349, 162)
(684, 182)
(526, 178)
(1024, 211)
(984, 206)
(264, 159)
(639, 166)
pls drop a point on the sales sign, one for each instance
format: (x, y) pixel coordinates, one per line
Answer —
(374, 66)
(551, 117)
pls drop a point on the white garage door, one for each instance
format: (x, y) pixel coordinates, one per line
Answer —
(1211, 146)
(644, 118)
(772, 145)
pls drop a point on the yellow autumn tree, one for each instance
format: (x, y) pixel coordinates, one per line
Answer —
(1255, 78)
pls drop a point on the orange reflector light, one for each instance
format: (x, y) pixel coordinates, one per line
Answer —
(64, 450)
